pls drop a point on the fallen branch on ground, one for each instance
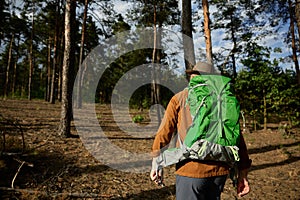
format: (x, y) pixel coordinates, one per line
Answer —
(19, 169)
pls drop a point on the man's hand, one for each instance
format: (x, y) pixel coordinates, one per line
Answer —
(156, 174)
(243, 187)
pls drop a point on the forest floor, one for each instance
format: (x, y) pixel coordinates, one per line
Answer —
(53, 167)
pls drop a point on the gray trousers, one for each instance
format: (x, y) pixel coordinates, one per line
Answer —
(199, 188)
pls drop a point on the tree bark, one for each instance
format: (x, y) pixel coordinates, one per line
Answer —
(297, 13)
(155, 86)
(48, 80)
(294, 46)
(207, 33)
(234, 40)
(68, 63)
(265, 110)
(8, 67)
(55, 56)
(187, 30)
(78, 92)
(13, 89)
(53, 78)
(31, 63)
(59, 70)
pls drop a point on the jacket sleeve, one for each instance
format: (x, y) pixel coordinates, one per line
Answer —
(167, 127)
(245, 161)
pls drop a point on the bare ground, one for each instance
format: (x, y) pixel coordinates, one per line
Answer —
(53, 167)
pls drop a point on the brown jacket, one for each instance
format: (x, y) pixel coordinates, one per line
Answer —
(177, 118)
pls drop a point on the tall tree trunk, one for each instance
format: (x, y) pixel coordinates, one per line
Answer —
(297, 13)
(60, 61)
(234, 47)
(207, 31)
(59, 83)
(155, 88)
(294, 46)
(13, 88)
(53, 78)
(31, 57)
(265, 110)
(48, 80)
(78, 95)
(6, 86)
(68, 63)
(153, 56)
(158, 75)
(55, 56)
(187, 30)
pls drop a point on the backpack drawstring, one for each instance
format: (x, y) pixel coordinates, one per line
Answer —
(244, 121)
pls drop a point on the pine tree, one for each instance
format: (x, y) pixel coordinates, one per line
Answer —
(187, 30)
(68, 64)
(207, 31)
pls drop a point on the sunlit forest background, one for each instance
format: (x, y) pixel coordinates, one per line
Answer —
(48, 66)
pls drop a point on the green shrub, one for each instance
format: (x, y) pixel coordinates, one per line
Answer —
(138, 119)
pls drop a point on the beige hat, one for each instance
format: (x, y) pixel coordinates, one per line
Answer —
(201, 68)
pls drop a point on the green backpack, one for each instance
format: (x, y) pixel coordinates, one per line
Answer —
(215, 130)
